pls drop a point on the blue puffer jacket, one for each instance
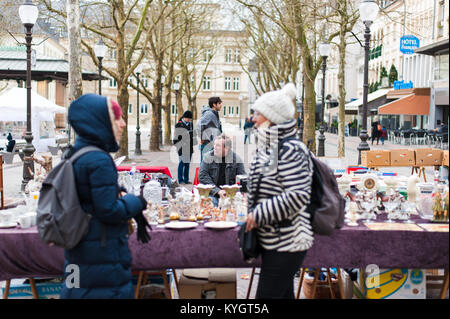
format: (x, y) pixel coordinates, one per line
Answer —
(104, 269)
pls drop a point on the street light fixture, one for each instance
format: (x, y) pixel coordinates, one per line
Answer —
(28, 13)
(137, 148)
(368, 11)
(240, 110)
(100, 52)
(324, 51)
(176, 88)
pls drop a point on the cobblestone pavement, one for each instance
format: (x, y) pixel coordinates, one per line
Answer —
(168, 157)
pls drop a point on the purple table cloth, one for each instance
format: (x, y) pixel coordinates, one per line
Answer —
(22, 254)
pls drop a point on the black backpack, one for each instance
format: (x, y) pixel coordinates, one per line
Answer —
(327, 206)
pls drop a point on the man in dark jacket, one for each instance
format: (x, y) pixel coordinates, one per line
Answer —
(184, 141)
(220, 167)
(102, 256)
(209, 125)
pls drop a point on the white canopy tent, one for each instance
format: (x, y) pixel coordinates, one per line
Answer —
(13, 107)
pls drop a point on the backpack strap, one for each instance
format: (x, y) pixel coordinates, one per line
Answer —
(72, 159)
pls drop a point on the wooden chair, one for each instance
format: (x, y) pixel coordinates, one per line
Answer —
(316, 280)
(434, 280)
(420, 170)
(32, 285)
(143, 277)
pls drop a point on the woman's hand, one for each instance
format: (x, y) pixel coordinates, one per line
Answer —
(251, 223)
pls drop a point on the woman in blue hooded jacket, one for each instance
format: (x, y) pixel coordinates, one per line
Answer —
(103, 256)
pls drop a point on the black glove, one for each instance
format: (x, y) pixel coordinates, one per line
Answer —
(142, 225)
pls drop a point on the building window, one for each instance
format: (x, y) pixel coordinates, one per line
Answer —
(130, 108)
(174, 109)
(207, 55)
(237, 110)
(144, 108)
(228, 55)
(237, 56)
(227, 83)
(112, 83)
(441, 68)
(230, 111)
(236, 84)
(206, 83)
(143, 81)
(224, 111)
(112, 53)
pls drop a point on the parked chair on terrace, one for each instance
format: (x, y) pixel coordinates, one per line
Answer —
(420, 136)
(406, 136)
(397, 136)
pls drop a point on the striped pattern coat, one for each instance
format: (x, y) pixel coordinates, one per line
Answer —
(284, 191)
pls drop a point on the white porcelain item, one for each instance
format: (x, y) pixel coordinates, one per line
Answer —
(33, 216)
(24, 221)
(181, 225)
(220, 225)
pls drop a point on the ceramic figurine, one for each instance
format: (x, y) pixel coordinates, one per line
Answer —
(412, 188)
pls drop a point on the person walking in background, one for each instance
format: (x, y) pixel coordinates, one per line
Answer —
(383, 135)
(279, 192)
(102, 256)
(376, 131)
(209, 125)
(11, 143)
(248, 126)
(184, 141)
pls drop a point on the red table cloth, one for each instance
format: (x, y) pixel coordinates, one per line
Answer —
(147, 169)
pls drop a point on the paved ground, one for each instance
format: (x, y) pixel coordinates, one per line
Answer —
(168, 157)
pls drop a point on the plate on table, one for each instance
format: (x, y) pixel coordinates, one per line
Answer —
(181, 225)
(220, 225)
(8, 225)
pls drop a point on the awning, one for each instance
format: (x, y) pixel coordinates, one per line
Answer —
(432, 48)
(416, 103)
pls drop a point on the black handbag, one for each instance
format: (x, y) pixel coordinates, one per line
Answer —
(248, 240)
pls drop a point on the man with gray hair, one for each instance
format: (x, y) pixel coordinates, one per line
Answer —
(220, 167)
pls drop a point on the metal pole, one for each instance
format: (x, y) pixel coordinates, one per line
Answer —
(137, 149)
(28, 163)
(240, 111)
(100, 75)
(176, 106)
(321, 150)
(363, 145)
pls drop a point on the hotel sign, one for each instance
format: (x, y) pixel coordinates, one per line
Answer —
(408, 43)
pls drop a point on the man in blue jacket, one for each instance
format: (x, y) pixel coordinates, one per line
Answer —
(102, 257)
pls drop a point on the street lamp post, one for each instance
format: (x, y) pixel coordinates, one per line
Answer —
(368, 11)
(240, 110)
(28, 13)
(137, 148)
(100, 51)
(324, 50)
(302, 110)
(176, 88)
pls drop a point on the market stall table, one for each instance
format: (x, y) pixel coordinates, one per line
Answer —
(147, 169)
(23, 254)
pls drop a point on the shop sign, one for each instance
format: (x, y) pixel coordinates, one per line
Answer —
(408, 43)
(399, 85)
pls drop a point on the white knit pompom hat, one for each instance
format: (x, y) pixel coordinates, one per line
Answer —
(277, 106)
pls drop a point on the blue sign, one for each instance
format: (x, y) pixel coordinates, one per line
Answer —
(408, 43)
(399, 85)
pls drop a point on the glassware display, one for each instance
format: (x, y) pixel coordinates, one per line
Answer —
(153, 192)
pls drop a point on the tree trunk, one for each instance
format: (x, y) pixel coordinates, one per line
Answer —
(167, 117)
(309, 127)
(341, 86)
(75, 78)
(123, 98)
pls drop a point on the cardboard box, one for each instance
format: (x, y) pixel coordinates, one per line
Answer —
(428, 157)
(376, 158)
(46, 290)
(403, 157)
(396, 284)
(211, 283)
(445, 158)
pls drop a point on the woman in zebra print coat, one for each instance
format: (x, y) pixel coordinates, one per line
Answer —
(280, 190)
